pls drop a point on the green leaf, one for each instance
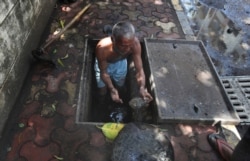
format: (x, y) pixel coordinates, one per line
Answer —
(55, 51)
(58, 158)
(65, 57)
(54, 107)
(21, 125)
(62, 23)
(60, 62)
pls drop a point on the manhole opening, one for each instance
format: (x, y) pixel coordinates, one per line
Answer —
(90, 111)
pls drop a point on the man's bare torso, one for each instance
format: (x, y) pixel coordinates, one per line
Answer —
(106, 51)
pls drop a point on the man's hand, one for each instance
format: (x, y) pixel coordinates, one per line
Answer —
(145, 95)
(115, 96)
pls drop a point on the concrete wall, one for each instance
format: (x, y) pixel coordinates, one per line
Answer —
(21, 24)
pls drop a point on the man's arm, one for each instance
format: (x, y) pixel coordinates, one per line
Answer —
(107, 80)
(101, 55)
(104, 75)
(140, 75)
(103, 65)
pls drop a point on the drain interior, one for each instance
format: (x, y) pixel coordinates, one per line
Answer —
(88, 110)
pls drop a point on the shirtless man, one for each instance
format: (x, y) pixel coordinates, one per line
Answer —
(111, 62)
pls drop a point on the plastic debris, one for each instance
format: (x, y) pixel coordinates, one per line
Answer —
(111, 130)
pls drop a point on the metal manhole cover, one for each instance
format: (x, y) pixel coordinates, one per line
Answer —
(238, 91)
(185, 84)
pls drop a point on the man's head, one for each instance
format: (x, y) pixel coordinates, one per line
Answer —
(123, 29)
(123, 36)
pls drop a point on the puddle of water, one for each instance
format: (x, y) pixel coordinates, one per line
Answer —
(223, 26)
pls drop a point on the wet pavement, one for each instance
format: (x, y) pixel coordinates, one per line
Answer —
(42, 125)
(223, 26)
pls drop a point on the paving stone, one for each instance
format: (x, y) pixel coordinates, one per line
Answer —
(92, 23)
(22, 159)
(96, 33)
(89, 16)
(27, 134)
(164, 20)
(199, 155)
(204, 129)
(62, 136)
(116, 16)
(148, 21)
(139, 6)
(172, 19)
(128, 5)
(181, 147)
(158, 2)
(132, 15)
(203, 143)
(117, 1)
(53, 82)
(146, 3)
(160, 8)
(38, 71)
(182, 129)
(147, 11)
(138, 23)
(29, 109)
(131, 7)
(175, 29)
(141, 35)
(104, 13)
(197, 146)
(151, 31)
(169, 36)
(115, 8)
(49, 101)
(90, 153)
(97, 139)
(169, 11)
(166, 26)
(159, 15)
(32, 152)
(102, 5)
(132, 1)
(65, 109)
(69, 141)
(93, 6)
(69, 124)
(43, 127)
(168, 4)
(72, 76)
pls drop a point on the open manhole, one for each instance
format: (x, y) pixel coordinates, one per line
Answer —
(181, 78)
(88, 109)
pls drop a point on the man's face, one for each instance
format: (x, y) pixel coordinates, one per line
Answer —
(123, 45)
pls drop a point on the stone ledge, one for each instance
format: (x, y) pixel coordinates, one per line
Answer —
(16, 76)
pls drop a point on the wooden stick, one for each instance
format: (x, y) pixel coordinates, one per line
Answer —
(67, 26)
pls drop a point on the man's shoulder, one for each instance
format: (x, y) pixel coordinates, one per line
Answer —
(103, 46)
(137, 45)
(105, 41)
